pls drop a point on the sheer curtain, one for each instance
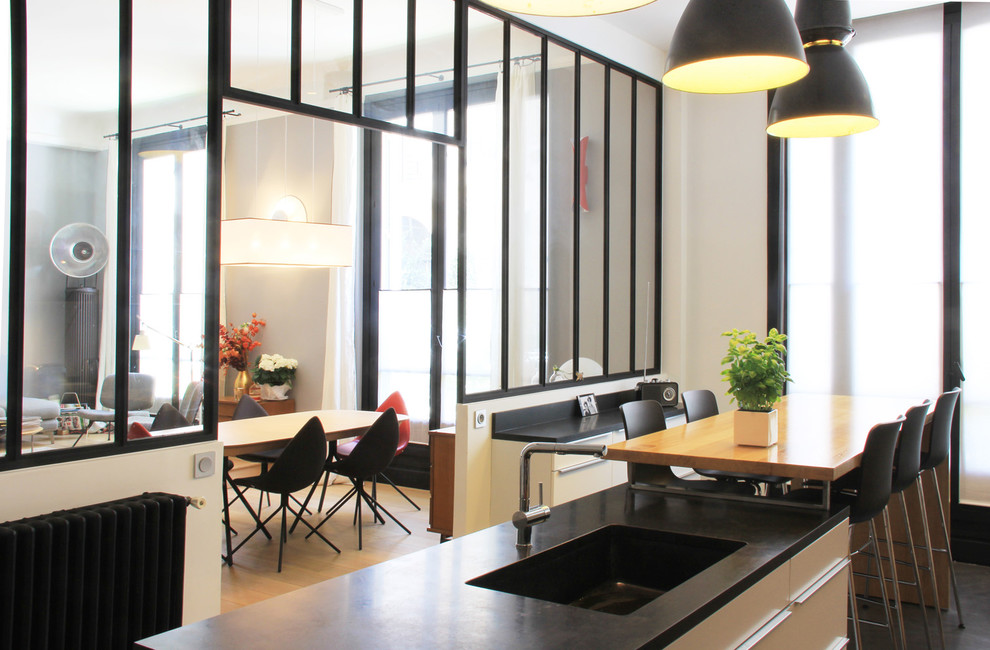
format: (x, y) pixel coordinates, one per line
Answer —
(865, 227)
(524, 222)
(108, 329)
(974, 457)
(340, 374)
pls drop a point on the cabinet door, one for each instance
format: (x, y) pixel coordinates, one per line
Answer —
(816, 620)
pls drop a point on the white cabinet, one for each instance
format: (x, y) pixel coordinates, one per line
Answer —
(801, 604)
(564, 477)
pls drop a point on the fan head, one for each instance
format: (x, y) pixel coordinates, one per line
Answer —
(79, 250)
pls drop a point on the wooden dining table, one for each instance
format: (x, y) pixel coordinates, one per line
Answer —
(252, 435)
(820, 437)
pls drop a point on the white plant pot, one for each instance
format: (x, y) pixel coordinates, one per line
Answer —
(755, 429)
(277, 393)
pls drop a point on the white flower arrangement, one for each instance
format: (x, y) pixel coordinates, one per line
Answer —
(274, 370)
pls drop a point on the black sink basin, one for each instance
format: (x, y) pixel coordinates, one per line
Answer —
(615, 569)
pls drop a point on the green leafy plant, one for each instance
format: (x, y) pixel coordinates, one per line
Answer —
(756, 372)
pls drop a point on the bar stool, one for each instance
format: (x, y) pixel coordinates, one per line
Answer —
(867, 497)
(938, 451)
(907, 461)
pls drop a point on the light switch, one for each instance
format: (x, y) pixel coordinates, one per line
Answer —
(204, 464)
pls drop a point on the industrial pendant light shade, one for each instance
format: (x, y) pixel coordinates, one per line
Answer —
(734, 46)
(833, 100)
(568, 8)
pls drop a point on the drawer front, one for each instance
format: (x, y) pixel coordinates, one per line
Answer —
(818, 622)
(811, 563)
(566, 460)
(581, 479)
(741, 618)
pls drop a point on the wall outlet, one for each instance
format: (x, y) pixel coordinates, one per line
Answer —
(204, 464)
(480, 418)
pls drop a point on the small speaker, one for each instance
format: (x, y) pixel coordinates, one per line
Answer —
(664, 392)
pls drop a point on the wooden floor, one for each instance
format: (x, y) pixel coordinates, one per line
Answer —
(307, 561)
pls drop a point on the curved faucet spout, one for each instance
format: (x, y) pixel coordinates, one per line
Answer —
(526, 517)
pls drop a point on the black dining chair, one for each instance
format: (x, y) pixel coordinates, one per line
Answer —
(372, 454)
(245, 409)
(700, 404)
(646, 416)
(299, 466)
(938, 451)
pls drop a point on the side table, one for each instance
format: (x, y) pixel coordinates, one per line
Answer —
(227, 404)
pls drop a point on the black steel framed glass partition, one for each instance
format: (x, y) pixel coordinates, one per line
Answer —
(543, 261)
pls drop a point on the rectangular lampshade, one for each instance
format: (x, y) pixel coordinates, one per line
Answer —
(285, 243)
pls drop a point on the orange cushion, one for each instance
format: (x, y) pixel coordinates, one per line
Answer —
(137, 430)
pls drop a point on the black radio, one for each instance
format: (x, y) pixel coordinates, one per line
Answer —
(664, 392)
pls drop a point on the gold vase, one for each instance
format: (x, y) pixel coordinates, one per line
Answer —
(242, 384)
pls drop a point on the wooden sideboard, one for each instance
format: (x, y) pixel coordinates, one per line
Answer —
(227, 404)
(442, 482)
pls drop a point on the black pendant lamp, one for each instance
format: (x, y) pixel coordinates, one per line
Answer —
(734, 46)
(569, 8)
(834, 99)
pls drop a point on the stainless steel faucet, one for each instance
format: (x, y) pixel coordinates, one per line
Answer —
(525, 518)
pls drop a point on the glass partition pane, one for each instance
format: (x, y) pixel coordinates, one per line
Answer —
(591, 198)
(645, 191)
(619, 222)
(524, 209)
(168, 213)
(5, 105)
(483, 236)
(560, 213)
(328, 54)
(71, 211)
(261, 46)
(435, 66)
(384, 60)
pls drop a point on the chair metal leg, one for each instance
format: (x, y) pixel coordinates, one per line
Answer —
(893, 574)
(883, 585)
(852, 598)
(283, 506)
(914, 566)
(947, 549)
(404, 495)
(931, 559)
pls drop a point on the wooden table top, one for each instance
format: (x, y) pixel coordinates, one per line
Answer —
(820, 437)
(274, 431)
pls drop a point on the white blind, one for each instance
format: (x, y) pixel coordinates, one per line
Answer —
(865, 227)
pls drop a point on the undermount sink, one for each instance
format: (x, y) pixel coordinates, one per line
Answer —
(615, 569)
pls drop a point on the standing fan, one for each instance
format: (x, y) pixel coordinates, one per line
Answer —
(80, 250)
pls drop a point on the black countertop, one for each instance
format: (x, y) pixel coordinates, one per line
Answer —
(421, 599)
(562, 422)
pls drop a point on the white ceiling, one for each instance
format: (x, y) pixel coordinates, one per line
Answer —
(655, 23)
(72, 50)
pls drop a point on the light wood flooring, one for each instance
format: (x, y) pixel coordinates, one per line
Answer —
(254, 575)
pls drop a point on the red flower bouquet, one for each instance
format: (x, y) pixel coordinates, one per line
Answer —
(237, 342)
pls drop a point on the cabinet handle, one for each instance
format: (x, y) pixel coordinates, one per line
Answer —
(831, 573)
(574, 468)
(839, 644)
(761, 633)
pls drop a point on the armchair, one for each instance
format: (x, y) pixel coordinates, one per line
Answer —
(140, 398)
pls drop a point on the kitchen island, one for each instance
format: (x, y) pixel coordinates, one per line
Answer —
(422, 599)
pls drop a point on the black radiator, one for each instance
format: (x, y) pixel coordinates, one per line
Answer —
(101, 576)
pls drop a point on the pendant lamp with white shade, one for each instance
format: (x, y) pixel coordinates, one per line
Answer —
(734, 46)
(834, 99)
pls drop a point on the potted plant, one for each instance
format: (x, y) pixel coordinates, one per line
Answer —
(274, 373)
(756, 376)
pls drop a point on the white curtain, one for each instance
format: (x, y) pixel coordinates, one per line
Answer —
(339, 373)
(222, 306)
(524, 222)
(108, 330)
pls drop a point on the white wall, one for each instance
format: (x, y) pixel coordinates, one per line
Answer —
(714, 231)
(40, 490)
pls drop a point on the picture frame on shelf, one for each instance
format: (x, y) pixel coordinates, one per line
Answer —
(588, 404)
